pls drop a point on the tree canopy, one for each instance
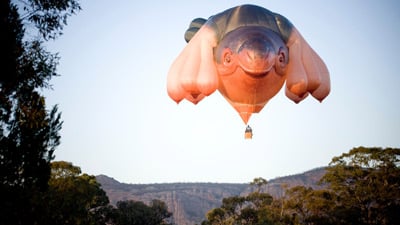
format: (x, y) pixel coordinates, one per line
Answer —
(366, 182)
(359, 187)
(29, 131)
(137, 213)
(72, 197)
(32, 189)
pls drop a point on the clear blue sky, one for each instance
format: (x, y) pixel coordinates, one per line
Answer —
(119, 120)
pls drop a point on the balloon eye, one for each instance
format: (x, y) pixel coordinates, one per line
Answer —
(227, 56)
(227, 59)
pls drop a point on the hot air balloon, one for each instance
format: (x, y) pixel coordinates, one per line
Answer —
(247, 53)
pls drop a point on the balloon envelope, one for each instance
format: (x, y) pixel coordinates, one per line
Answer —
(247, 53)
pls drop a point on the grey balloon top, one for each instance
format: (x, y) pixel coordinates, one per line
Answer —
(244, 15)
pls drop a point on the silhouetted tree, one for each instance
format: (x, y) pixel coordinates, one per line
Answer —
(73, 198)
(259, 182)
(249, 209)
(137, 213)
(362, 187)
(303, 205)
(367, 184)
(29, 133)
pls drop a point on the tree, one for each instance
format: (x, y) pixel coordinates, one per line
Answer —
(250, 209)
(160, 212)
(304, 205)
(367, 184)
(73, 198)
(218, 216)
(29, 133)
(48, 16)
(363, 187)
(360, 187)
(137, 213)
(259, 182)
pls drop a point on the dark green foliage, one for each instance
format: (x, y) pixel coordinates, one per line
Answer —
(304, 205)
(259, 182)
(49, 16)
(367, 184)
(11, 36)
(138, 213)
(30, 191)
(73, 198)
(28, 131)
(362, 187)
(248, 209)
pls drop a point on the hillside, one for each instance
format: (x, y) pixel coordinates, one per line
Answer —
(189, 202)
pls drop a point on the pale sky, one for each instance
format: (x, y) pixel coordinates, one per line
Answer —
(119, 120)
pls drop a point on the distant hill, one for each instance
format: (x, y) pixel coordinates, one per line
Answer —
(189, 202)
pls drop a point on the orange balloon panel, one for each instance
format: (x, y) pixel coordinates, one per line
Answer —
(249, 94)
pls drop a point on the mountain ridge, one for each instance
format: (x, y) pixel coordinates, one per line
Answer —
(190, 201)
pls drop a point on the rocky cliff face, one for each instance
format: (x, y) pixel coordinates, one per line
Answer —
(189, 202)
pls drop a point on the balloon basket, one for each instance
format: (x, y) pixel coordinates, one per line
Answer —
(248, 133)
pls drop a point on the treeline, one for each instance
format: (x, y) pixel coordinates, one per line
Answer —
(363, 187)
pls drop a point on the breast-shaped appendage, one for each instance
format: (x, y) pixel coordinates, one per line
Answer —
(306, 72)
(193, 74)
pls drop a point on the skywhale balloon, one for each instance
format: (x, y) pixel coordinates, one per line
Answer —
(248, 54)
